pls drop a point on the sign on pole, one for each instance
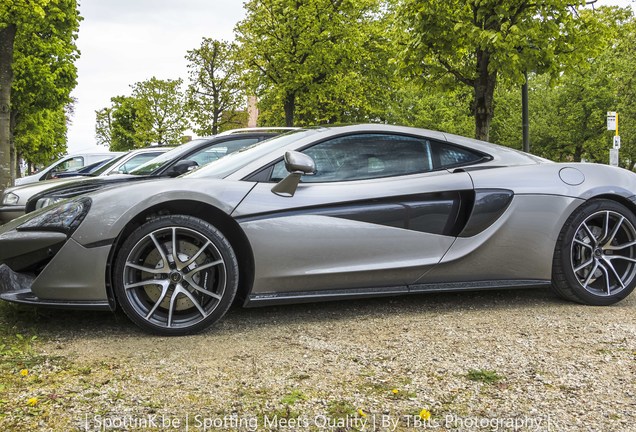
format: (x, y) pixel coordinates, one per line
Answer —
(611, 120)
(617, 142)
(613, 157)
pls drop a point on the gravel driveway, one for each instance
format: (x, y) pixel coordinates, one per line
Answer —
(505, 360)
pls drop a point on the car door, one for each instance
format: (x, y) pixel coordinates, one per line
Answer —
(380, 210)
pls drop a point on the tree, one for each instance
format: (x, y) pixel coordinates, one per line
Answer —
(37, 72)
(567, 116)
(293, 46)
(40, 136)
(214, 97)
(161, 114)
(119, 126)
(478, 43)
(625, 104)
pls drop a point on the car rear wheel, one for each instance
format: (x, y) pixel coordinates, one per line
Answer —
(175, 275)
(595, 256)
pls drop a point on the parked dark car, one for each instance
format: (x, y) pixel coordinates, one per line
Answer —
(84, 171)
(173, 163)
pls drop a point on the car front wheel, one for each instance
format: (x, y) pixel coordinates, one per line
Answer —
(595, 256)
(175, 275)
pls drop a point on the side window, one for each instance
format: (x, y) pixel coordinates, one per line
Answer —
(65, 165)
(137, 160)
(70, 164)
(448, 156)
(365, 156)
(218, 150)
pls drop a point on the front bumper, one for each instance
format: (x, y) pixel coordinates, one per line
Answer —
(16, 288)
(49, 269)
(8, 213)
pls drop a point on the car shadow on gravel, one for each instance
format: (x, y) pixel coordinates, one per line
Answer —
(53, 323)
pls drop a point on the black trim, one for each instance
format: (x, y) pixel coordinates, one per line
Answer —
(26, 297)
(478, 285)
(322, 295)
(267, 299)
(101, 243)
(442, 213)
(489, 205)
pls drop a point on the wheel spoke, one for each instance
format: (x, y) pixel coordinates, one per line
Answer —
(608, 263)
(582, 266)
(606, 225)
(200, 289)
(175, 249)
(589, 233)
(621, 257)
(143, 283)
(203, 267)
(164, 258)
(582, 243)
(619, 247)
(162, 296)
(182, 265)
(607, 281)
(589, 276)
(185, 292)
(146, 269)
(608, 242)
(173, 297)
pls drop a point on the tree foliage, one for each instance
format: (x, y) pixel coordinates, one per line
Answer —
(37, 74)
(568, 115)
(153, 114)
(161, 115)
(478, 43)
(293, 48)
(215, 97)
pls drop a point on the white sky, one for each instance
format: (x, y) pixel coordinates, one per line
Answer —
(126, 41)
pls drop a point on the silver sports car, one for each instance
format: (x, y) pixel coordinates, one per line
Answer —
(329, 214)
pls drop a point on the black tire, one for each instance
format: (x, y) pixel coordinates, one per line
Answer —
(595, 260)
(169, 297)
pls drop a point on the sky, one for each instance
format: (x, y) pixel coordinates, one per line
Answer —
(126, 41)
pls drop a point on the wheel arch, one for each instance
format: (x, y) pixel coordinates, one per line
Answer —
(630, 202)
(221, 220)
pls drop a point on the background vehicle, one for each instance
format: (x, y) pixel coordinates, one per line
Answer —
(70, 162)
(171, 164)
(330, 214)
(14, 199)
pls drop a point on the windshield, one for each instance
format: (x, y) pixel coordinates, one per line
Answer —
(107, 166)
(156, 163)
(225, 166)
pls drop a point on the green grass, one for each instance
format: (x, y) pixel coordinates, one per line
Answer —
(485, 376)
(293, 397)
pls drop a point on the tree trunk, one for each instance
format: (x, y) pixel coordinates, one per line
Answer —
(484, 94)
(15, 160)
(7, 38)
(290, 106)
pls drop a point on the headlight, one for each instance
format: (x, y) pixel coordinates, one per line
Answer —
(64, 217)
(10, 199)
(45, 202)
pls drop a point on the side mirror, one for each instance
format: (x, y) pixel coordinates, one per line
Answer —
(181, 167)
(298, 164)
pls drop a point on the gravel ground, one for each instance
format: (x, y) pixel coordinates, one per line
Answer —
(510, 360)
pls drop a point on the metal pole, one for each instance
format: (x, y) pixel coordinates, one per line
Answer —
(525, 122)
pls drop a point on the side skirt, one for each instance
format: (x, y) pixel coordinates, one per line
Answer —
(267, 299)
(27, 297)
